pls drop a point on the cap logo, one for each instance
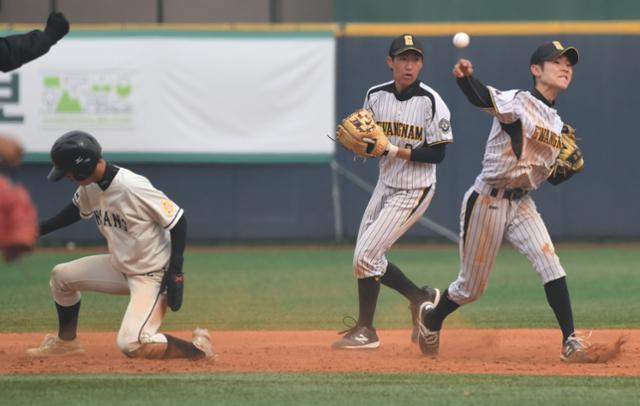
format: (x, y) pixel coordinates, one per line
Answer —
(408, 40)
(558, 45)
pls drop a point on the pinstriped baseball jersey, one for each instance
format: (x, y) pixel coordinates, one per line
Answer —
(134, 217)
(421, 117)
(415, 118)
(524, 141)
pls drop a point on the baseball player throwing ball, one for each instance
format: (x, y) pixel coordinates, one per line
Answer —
(146, 234)
(528, 144)
(416, 121)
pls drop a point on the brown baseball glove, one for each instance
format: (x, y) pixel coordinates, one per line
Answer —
(18, 220)
(360, 134)
(570, 159)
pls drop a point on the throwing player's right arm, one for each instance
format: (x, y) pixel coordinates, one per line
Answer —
(475, 91)
(503, 105)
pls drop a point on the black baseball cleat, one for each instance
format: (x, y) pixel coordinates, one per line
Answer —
(431, 295)
(358, 337)
(428, 341)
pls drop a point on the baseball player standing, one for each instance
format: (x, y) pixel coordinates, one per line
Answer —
(524, 142)
(146, 235)
(416, 120)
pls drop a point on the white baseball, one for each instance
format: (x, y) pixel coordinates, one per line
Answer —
(461, 40)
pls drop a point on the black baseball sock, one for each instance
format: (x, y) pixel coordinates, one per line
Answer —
(397, 280)
(558, 298)
(444, 308)
(67, 321)
(178, 348)
(368, 290)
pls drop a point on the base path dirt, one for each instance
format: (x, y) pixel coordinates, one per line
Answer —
(475, 351)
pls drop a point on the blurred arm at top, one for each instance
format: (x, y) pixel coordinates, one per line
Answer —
(16, 50)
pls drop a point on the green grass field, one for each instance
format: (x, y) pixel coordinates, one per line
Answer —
(316, 388)
(313, 289)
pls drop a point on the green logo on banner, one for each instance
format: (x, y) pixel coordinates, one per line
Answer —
(88, 98)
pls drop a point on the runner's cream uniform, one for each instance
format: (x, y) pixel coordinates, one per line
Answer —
(135, 218)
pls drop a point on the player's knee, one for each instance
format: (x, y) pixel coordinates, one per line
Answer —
(360, 265)
(58, 275)
(63, 294)
(363, 258)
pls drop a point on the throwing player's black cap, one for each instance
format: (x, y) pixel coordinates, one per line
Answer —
(551, 50)
(404, 43)
(75, 152)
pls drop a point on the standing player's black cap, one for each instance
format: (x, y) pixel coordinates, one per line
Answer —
(404, 43)
(552, 50)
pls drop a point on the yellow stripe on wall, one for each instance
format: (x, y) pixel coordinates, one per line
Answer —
(493, 28)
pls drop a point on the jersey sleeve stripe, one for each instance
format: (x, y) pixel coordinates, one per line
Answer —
(82, 214)
(441, 142)
(493, 102)
(174, 220)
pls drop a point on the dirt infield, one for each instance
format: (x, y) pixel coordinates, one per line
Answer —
(484, 351)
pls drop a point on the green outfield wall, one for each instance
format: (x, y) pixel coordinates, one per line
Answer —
(280, 200)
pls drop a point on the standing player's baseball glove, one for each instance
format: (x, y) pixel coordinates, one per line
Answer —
(570, 159)
(360, 134)
(18, 220)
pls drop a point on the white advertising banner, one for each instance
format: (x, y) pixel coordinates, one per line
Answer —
(196, 97)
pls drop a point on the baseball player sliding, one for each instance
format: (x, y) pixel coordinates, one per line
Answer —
(525, 141)
(146, 235)
(416, 121)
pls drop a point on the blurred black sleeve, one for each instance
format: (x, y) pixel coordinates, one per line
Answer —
(16, 50)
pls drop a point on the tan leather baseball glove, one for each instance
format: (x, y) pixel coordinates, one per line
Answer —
(360, 134)
(570, 158)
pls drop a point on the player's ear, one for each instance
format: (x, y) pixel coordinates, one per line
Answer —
(536, 70)
(390, 63)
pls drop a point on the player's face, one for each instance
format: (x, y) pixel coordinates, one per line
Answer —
(557, 73)
(405, 68)
(84, 182)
